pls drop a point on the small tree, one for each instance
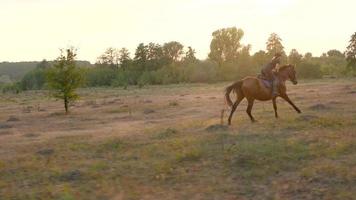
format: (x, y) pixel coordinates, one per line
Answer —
(65, 77)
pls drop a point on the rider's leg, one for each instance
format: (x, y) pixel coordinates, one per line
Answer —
(275, 83)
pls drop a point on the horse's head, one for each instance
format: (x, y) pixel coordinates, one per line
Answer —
(288, 72)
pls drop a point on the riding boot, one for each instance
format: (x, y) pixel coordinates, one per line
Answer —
(275, 91)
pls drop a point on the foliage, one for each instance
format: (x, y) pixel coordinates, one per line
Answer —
(109, 58)
(351, 54)
(308, 70)
(65, 77)
(173, 51)
(99, 76)
(294, 57)
(171, 62)
(14, 88)
(335, 53)
(225, 45)
(34, 80)
(274, 45)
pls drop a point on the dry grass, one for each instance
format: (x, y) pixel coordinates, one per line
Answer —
(111, 147)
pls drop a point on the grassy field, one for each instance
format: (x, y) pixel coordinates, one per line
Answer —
(160, 142)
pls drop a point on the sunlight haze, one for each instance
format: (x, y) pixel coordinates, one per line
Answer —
(36, 29)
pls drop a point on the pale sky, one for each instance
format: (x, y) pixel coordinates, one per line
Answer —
(36, 29)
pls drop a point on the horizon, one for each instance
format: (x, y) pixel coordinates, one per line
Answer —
(94, 26)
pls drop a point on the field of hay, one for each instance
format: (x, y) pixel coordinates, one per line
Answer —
(160, 142)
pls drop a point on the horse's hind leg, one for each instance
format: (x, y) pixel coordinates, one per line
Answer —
(249, 108)
(275, 107)
(239, 99)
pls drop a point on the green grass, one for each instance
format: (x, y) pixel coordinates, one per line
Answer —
(247, 160)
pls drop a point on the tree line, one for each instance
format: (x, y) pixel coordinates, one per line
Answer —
(172, 62)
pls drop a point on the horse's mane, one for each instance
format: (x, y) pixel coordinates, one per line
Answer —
(282, 68)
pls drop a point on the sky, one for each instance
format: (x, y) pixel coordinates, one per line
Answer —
(33, 30)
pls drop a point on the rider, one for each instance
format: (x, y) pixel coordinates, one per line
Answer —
(267, 72)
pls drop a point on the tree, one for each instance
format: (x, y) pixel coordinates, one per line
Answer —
(155, 57)
(335, 53)
(274, 45)
(173, 51)
(308, 56)
(141, 55)
(225, 45)
(109, 58)
(154, 51)
(124, 58)
(65, 77)
(294, 57)
(351, 54)
(190, 55)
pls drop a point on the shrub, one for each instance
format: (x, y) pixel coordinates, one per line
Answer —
(11, 88)
(33, 80)
(100, 76)
(309, 70)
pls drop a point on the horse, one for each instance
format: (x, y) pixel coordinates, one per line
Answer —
(253, 88)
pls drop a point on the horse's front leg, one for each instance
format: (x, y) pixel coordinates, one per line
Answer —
(285, 97)
(275, 107)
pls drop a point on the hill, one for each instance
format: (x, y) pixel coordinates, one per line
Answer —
(14, 71)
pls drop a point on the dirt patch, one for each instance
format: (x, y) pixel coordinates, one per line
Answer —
(56, 114)
(307, 117)
(147, 101)
(5, 133)
(319, 106)
(30, 135)
(13, 119)
(71, 176)
(173, 103)
(169, 132)
(45, 152)
(148, 111)
(217, 127)
(335, 102)
(5, 126)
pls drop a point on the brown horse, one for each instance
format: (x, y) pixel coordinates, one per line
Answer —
(253, 88)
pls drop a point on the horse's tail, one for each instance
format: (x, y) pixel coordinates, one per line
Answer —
(236, 87)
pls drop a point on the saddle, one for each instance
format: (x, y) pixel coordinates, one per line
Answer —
(265, 81)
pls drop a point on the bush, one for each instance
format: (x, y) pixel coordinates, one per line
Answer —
(33, 80)
(123, 78)
(146, 78)
(200, 72)
(309, 70)
(100, 76)
(11, 88)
